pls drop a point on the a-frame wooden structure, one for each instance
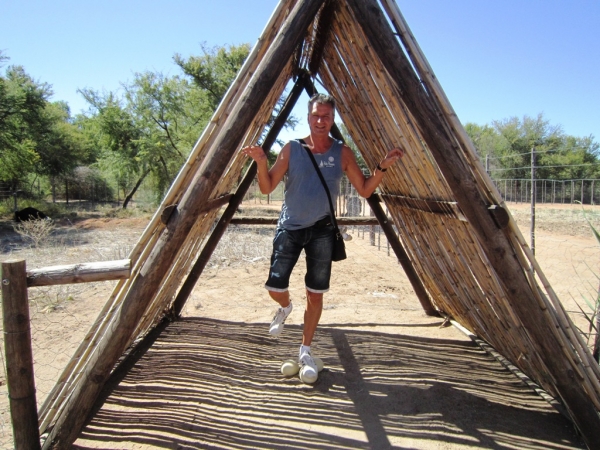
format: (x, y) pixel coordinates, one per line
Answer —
(463, 252)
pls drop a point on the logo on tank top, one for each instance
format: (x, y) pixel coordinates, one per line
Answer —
(330, 162)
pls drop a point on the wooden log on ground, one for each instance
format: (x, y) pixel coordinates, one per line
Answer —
(79, 273)
(146, 284)
(465, 189)
(19, 356)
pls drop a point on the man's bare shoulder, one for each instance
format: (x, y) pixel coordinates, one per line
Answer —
(347, 152)
(284, 153)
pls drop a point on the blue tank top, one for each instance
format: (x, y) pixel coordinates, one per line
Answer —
(305, 200)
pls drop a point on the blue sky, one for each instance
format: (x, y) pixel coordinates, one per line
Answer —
(494, 59)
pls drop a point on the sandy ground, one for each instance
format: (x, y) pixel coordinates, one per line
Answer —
(393, 378)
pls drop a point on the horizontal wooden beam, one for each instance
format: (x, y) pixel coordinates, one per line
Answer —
(449, 209)
(342, 221)
(80, 273)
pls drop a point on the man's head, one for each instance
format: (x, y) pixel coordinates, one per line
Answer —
(321, 114)
(321, 99)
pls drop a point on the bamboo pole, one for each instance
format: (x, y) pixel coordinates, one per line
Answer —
(497, 247)
(19, 356)
(71, 376)
(147, 282)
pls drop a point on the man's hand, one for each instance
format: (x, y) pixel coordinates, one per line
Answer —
(255, 152)
(393, 155)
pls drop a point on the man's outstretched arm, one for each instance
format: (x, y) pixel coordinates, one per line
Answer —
(268, 179)
(363, 185)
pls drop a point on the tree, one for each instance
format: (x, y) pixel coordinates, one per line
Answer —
(507, 145)
(149, 131)
(120, 138)
(22, 123)
(173, 114)
(214, 70)
(37, 138)
(61, 148)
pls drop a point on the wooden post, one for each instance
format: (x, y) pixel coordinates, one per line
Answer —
(496, 245)
(147, 282)
(19, 356)
(533, 200)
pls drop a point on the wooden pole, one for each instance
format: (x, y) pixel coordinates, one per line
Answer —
(79, 273)
(391, 235)
(147, 282)
(402, 256)
(272, 220)
(226, 218)
(533, 200)
(19, 356)
(492, 239)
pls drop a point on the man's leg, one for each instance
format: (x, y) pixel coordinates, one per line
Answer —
(312, 314)
(286, 251)
(283, 298)
(318, 274)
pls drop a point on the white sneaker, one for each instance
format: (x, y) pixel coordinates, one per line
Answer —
(308, 368)
(279, 319)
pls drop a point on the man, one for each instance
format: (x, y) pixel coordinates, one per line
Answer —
(304, 221)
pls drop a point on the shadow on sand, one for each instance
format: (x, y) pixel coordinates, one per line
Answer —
(213, 384)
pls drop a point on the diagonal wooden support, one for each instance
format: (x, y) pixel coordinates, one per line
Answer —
(215, 237)
(147, 282)
(492, 239)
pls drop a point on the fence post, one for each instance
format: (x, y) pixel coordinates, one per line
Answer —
(533, 199)
(19, 356)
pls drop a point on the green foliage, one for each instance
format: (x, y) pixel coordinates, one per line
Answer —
(214, 70)
(151, 129)
(22, 123)
(37, 137)
(507, 146)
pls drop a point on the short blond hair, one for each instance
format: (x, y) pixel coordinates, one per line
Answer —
(322, 99)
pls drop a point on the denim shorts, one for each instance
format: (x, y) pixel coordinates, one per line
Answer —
(317, 243)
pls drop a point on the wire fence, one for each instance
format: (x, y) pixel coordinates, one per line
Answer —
(519, 190)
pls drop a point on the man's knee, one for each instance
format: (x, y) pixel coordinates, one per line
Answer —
(314, 298)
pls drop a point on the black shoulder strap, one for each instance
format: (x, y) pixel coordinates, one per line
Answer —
(312, 158)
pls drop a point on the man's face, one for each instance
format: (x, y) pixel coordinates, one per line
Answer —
(320, 119)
